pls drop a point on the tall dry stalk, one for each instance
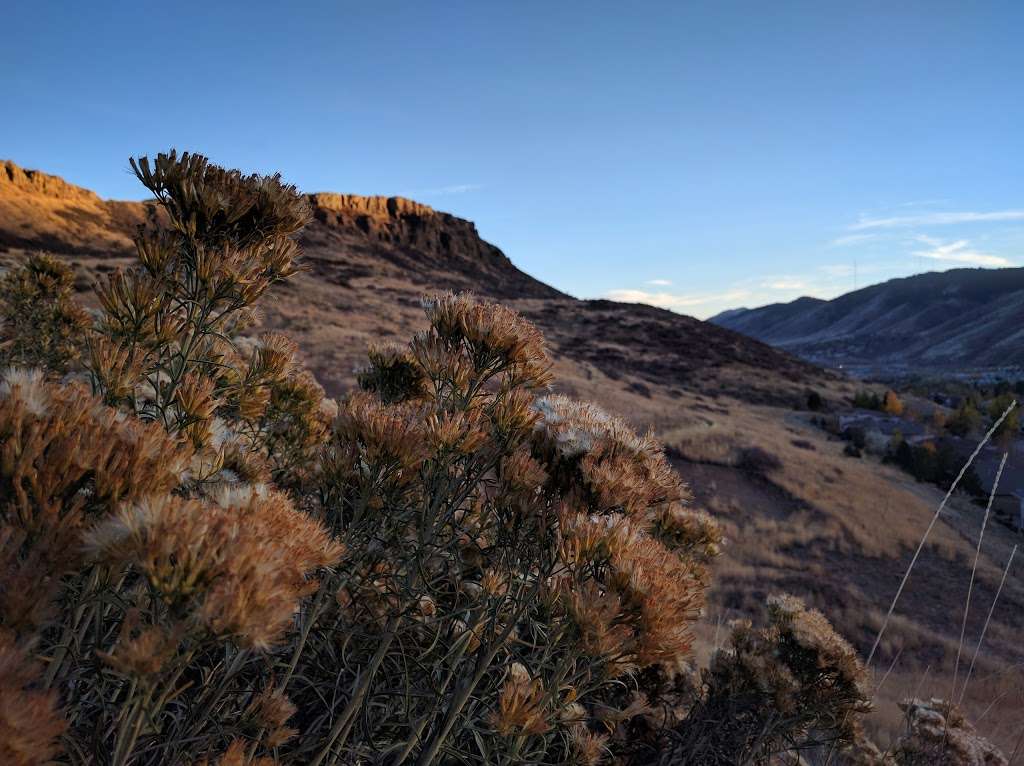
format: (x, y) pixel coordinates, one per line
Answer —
(931, 525)
(988, 619)
(974, 569)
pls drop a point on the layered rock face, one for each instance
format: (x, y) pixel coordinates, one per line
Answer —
(41, 211)
(34, 182)
(397, 222)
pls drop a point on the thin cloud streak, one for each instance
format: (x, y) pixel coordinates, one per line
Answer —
(958, 252)
(936, 219)
(851, 239)
(674, 301)
(442, 191)
(703, 305)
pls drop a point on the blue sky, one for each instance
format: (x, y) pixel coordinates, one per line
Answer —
(698, 156)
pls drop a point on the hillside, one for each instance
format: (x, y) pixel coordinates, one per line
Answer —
(949, 321)
(368, 262)
(806, 519)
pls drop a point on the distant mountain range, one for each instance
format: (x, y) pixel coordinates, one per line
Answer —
(953, 321)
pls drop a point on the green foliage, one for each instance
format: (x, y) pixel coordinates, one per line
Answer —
(936, 464)
(965, 421)
(867, 400)
(1010, 426)
(41, 325)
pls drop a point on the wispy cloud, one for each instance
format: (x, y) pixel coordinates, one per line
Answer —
(924, 203)
(786, 284)
(936, 219)
(674, 301)
(659, 282)
(746, 292)
(959, 251)
(442, 191)
(836, 270)
(851, 239)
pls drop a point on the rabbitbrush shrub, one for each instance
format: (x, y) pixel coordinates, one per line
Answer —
(203, 560)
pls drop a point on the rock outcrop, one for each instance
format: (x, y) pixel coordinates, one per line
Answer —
(404, 222)
(34, 182)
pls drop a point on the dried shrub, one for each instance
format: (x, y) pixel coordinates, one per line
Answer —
(938, 735)
(41, 325)
(792, 685)
(758, 460)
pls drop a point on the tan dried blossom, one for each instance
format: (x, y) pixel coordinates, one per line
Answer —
(196, 403)
(252, 400)
(513, 416)
(497, 338)
(241, 569)
(239, 754)
(273, 357)
(587, 748)
(143, 651)
(30, 722)
(598, 614)
(53, 437)
(522, 474)
(388, 437)
(494, 584)
(28, 388)
(454, 432)
(117, 371)
(688, 530)
(221, 205)
(771, 688)
(271, 711)
(64, 458)
(621, 471)
(520, 704)
(811, 630)
(133, 304)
